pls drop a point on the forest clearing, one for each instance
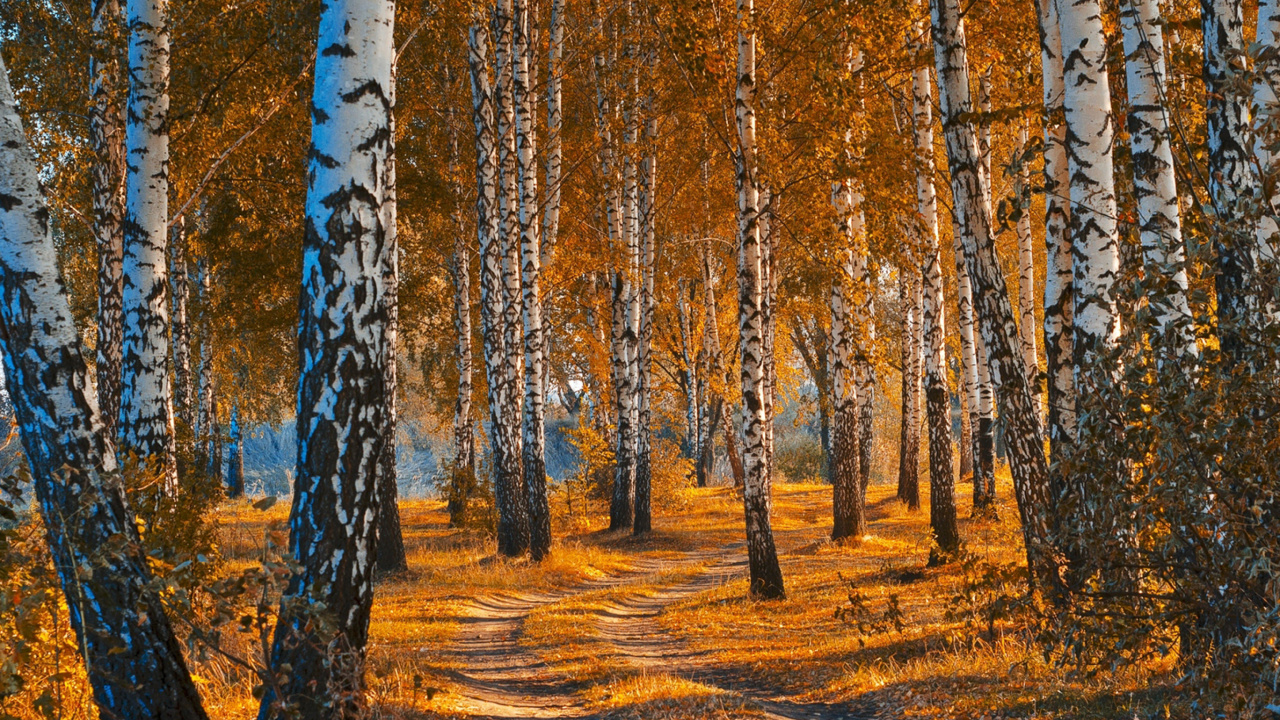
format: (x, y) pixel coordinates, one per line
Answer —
(607, 358)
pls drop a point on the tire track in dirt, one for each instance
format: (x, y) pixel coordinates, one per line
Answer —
(503, 680)
(632, 627)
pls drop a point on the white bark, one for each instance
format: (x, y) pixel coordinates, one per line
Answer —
(534, 417)
(1090, 136)
(1058, 293)
(1266, 121)
(1154, 180)
(766, 576)
(1026, 272)
(134, 662)
(146, 405)
(341, 413)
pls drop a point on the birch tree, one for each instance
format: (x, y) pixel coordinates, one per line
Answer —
(390, 554)
(942, 506)
(994, 313)
(133, 659)
(766, 574)
(1090, 133)
(534, 441)
(909, 428)
(184, 391)
(1231, 176)
(492, 228)
(1059, 302)
(462, 481)
(341, 414)
(849, 518)
(146, 406)
(1026, 270)
(106, 137)
(984, 458)
(643, 520)
(1154, 180)
(1265, 121)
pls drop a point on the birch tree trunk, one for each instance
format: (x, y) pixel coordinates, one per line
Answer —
(968, 363)
(1059, 295)
(864, 312)
(994, 312)
(984, 449)
(643, 521)
(966, 434)
(534, 440)
(909, 435)
(766, 574)
(462, 476)
(146, 407)
(714, 365)
(1094, 232)
(106, 137)
(621, 507)
(942, 481)
(342, 341)
(769, 296)
(508, 478)
(390, 554)
(134, 661)
(849, 518)
(235, 466)
(1027, 273)
(1155, 183)
(690, 376)
(1265, 122)
(184, 394)
(1231, 175)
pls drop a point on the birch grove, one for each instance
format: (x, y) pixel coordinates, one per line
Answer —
(1109, 393)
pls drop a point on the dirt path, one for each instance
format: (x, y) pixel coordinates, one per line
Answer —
(501, 679)
(632, 627)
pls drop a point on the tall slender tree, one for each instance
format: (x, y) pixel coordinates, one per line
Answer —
(847, 500)
(1095, 235)
(942, 506)
(341, 413)
(993, 309)
(1154, 180)
(643, 520)
(106, 137)
(912, 367)
(534, 440)
(1232, 180)
(1059, 303)
(133, 659)
(180, 287)
(1026, 270)
(390, 540)
(766, 574)
(146, 406)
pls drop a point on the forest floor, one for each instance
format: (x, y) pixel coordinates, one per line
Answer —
(613, 626)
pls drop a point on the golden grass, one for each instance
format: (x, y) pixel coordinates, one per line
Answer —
(795, 647)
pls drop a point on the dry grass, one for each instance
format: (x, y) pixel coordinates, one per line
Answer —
(796, 647)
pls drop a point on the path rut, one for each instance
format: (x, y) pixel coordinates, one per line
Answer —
(501, 679)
